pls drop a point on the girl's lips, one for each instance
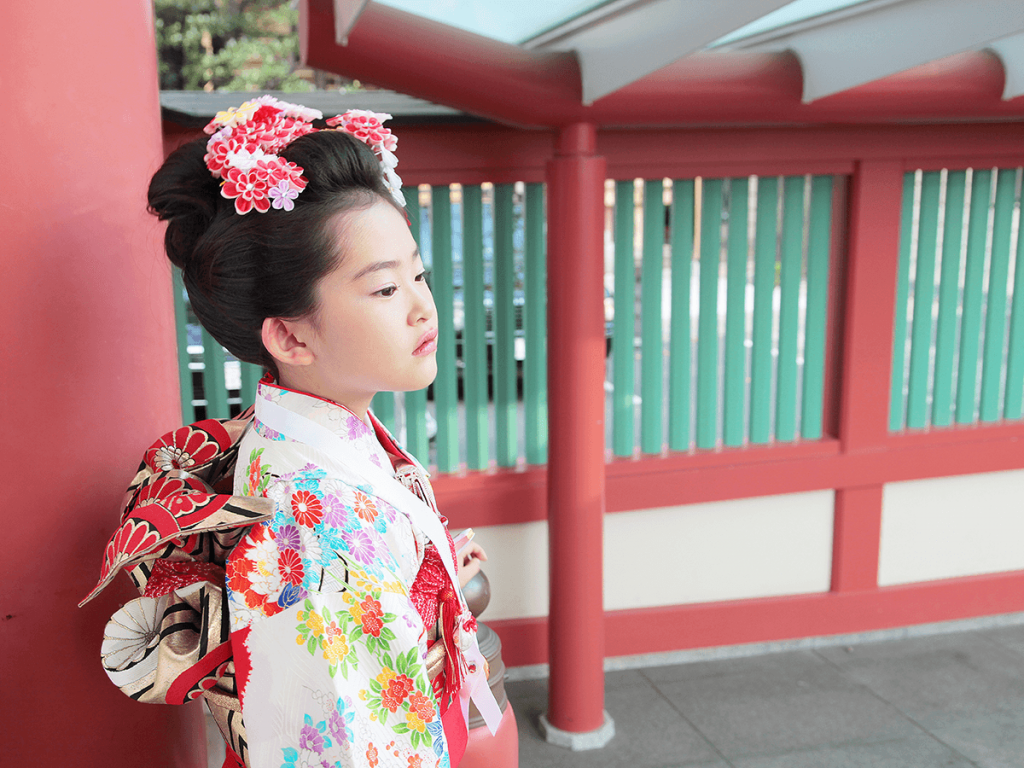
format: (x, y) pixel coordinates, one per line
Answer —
(428, 343)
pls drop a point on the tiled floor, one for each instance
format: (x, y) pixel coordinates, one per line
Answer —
(952, 700)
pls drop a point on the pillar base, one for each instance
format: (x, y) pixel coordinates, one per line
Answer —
(578, 742)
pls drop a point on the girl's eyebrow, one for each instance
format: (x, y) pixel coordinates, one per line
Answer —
(382, 265)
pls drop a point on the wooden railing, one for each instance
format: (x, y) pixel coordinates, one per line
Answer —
(813, 338)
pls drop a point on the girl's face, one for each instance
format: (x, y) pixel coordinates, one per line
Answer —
(376, 326)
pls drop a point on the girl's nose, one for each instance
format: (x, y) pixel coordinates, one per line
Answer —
(423, 307)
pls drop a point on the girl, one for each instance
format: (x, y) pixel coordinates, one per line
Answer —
(333, 631)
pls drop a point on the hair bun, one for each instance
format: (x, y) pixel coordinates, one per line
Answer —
(187, 197)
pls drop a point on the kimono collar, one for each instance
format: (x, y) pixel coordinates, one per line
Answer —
(327, 413)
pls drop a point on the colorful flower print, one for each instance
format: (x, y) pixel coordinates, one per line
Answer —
(287, 537)
(371, 616)
(355, 428)
(266, 432)
(335, 644)
(390, 515)
(290, 566)
(308, 478)
(395, 691)
(413, 721)
(337, 513)
(423, 706)
(331, 632)
(290, 595)
(259, 475)
(314, 623)
(361, 547)
(306, 508)
(315, 746)
(264, 577)
(402, 689)
(436, 731)
(365, 507)
(338, 721)
(311, 739)
(310, 547)
(372, 756)
(252, 572)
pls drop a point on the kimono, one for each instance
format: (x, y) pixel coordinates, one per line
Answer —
(327, 599)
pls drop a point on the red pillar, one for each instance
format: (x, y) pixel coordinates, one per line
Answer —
(874, 236)
(89, 371)
(576, 493)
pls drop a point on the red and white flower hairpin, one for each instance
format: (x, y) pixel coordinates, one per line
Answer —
(245, 141)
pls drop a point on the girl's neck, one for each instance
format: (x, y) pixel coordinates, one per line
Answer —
(294, 380)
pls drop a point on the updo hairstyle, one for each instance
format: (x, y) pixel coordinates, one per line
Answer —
(240, 270)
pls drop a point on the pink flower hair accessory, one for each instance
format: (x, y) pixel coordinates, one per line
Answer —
(245, 142)
(369, 128)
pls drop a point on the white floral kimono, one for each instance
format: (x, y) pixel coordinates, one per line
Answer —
(330, 651)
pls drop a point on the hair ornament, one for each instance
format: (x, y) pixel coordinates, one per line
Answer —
(369, 128)
(245, 142)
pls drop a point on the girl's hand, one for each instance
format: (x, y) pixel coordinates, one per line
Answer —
(469, 561)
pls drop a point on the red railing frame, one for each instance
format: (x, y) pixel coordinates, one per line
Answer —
(858, 454)
(856, 457)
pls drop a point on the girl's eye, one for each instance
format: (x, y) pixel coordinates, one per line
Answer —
(389, 291)
(421, 277)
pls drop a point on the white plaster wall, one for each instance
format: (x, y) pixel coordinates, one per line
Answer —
(517, 567)
(952, 526)
(727, 550)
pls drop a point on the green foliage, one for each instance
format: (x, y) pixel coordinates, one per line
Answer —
(232, 45)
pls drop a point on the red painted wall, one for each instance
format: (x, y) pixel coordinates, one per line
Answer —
(90, 377)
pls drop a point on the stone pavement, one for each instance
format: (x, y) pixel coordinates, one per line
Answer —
(948, 700)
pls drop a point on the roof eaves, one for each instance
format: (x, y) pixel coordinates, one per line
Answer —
(868, 42)
(194, 109)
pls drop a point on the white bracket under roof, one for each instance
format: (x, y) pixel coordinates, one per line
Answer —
(622, 41)
(346, 14)
(872, 40)
(1011, 51)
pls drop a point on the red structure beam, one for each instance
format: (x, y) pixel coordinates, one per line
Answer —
(507, 497)
(485, 152)
(419, 57)
(576, 348)
(413, 55)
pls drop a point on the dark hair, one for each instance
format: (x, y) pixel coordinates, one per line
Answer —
(240, 270)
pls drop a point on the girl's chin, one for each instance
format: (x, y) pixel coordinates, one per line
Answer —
(421, 382)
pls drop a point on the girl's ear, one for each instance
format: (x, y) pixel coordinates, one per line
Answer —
(284, 340)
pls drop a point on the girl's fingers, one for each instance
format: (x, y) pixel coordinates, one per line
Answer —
(468, 571)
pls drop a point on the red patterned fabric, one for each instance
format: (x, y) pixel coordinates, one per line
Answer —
(177, 524)
(168, 576)
(436, 601)
(175, 500)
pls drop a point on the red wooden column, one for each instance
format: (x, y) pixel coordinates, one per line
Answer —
(576, 494)
(90, 375)
(874, 237)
